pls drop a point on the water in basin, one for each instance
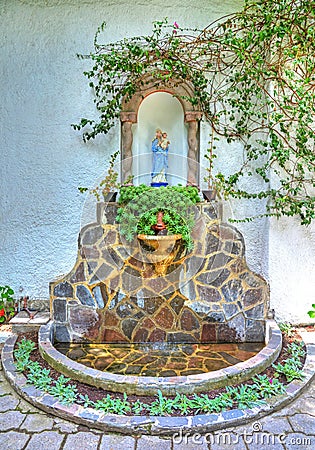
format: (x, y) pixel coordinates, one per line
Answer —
(159, 359)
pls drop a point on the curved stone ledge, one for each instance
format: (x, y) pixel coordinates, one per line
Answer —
(142, 385)
(147, 424)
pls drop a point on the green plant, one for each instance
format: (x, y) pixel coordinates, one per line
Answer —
(22, 354)
(291, 368)
(138, 407)
(265, 54)
(296, 350)
(113, 405)
(85, 401)
(6, 303)
(39, 376)
(25, 346)
(267, 387)
(161, 406)
(286, 328)
(312, 312)
(66, 393)
(246, 396)
(213, 182)
(203, 403)
(182, 403)
(139, 206)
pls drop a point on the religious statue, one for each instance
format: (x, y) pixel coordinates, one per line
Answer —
(160, 147)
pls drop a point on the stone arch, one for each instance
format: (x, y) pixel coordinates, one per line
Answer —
(192, 116)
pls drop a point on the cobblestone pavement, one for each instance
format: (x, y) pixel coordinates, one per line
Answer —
(23, 426)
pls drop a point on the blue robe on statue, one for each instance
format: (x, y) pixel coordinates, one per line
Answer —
(160, 163)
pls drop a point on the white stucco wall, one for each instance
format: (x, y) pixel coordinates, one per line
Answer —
(292, 269)
(43, 160)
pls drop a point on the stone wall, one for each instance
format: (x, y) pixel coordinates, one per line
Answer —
(114, 295)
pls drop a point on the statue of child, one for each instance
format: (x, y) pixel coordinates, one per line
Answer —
(164, 141)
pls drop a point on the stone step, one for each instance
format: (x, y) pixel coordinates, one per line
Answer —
(23, 322)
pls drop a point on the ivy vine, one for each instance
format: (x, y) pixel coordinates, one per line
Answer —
(253, 77)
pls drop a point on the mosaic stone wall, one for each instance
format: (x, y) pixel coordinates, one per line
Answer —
(114, 295)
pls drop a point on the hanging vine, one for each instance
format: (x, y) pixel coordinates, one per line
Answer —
(253, 76)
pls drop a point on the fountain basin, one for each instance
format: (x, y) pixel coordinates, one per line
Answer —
(149, 385)
(160, 250)
(159, 359)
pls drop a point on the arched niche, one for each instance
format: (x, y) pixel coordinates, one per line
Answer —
(142, 114)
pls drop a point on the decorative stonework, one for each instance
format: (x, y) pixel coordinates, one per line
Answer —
(112, 295)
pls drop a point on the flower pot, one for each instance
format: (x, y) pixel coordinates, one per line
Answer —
(110, 197)
(209, 195)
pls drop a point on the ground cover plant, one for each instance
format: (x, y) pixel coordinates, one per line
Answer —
(139, 205)
(246, 395)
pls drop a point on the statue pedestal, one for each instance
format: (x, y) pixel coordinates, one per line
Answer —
(158, 184)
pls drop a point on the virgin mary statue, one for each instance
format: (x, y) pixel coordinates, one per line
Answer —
(160, 147)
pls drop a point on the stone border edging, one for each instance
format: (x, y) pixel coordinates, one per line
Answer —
(157, 425)
(142, 385)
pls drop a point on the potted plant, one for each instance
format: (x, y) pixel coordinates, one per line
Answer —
(139, 206)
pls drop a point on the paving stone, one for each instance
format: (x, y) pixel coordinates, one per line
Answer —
(82, 441)
(262, 442)
(302, 423)
(37, 422)
(8, 402)
(305, 404)
(258, 435)
(44, 441)
(5, 388)
(299, 441)
(275, 426)
(11, 420)
(65, 427)
(222, 440)
(13, 440)
(115, 442)
(185, 442)
(25, 407)
(153, 442)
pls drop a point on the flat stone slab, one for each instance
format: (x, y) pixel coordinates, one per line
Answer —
(117, 442)
(7, 403)
(82, 441)
(45, 440)
(23, 322)
(37, 422)
(13, 440)
(11, 420)
(39, 318)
